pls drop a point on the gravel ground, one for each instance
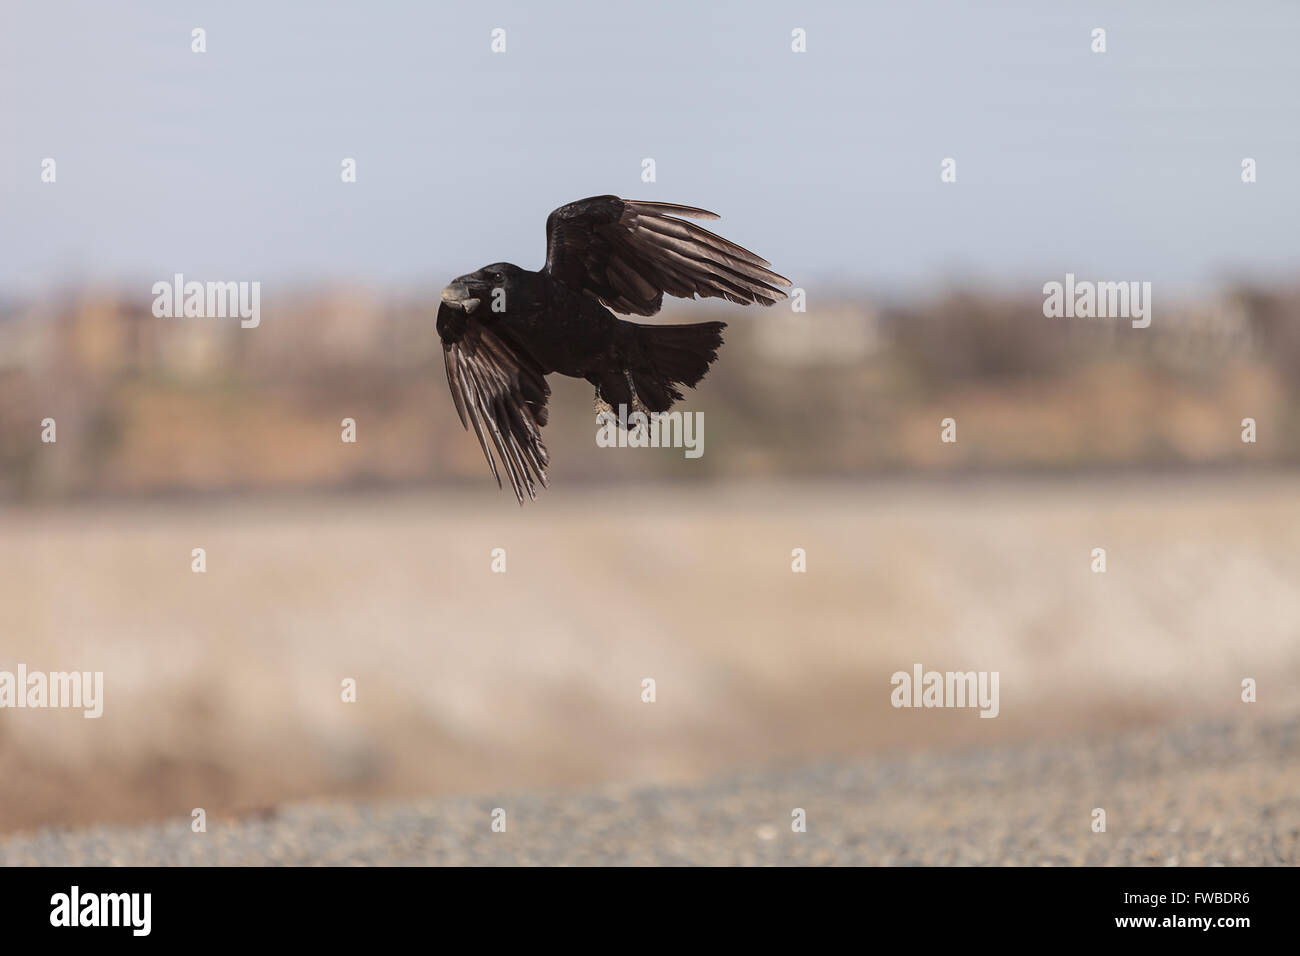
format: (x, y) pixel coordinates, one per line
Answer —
(222, 689)
(1214, 794)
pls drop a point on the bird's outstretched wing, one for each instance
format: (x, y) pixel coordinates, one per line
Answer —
(628, 254)
(499, 391)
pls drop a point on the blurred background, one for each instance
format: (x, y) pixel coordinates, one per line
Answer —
(328, 560)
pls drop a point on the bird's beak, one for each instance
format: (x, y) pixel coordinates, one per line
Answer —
(457, 296)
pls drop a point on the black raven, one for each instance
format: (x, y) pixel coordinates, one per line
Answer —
(504, 329)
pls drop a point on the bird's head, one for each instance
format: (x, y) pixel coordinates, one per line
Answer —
(490, 285)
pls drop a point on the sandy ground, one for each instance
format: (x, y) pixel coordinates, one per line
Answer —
(1209, 795)
(222, 690)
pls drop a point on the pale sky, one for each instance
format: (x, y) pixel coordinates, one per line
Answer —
(225, 165)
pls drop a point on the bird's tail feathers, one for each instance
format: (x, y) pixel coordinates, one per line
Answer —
(669, 357)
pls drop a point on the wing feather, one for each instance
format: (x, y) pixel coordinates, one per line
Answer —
(500, 393)
(630, 254)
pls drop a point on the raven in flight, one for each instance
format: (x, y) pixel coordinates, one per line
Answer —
(504, 329)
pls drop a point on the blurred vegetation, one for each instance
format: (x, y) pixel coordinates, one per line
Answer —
(149, 405)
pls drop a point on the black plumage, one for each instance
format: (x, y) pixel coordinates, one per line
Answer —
(504, 329)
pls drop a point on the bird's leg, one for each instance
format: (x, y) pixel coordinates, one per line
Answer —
(637, 405)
